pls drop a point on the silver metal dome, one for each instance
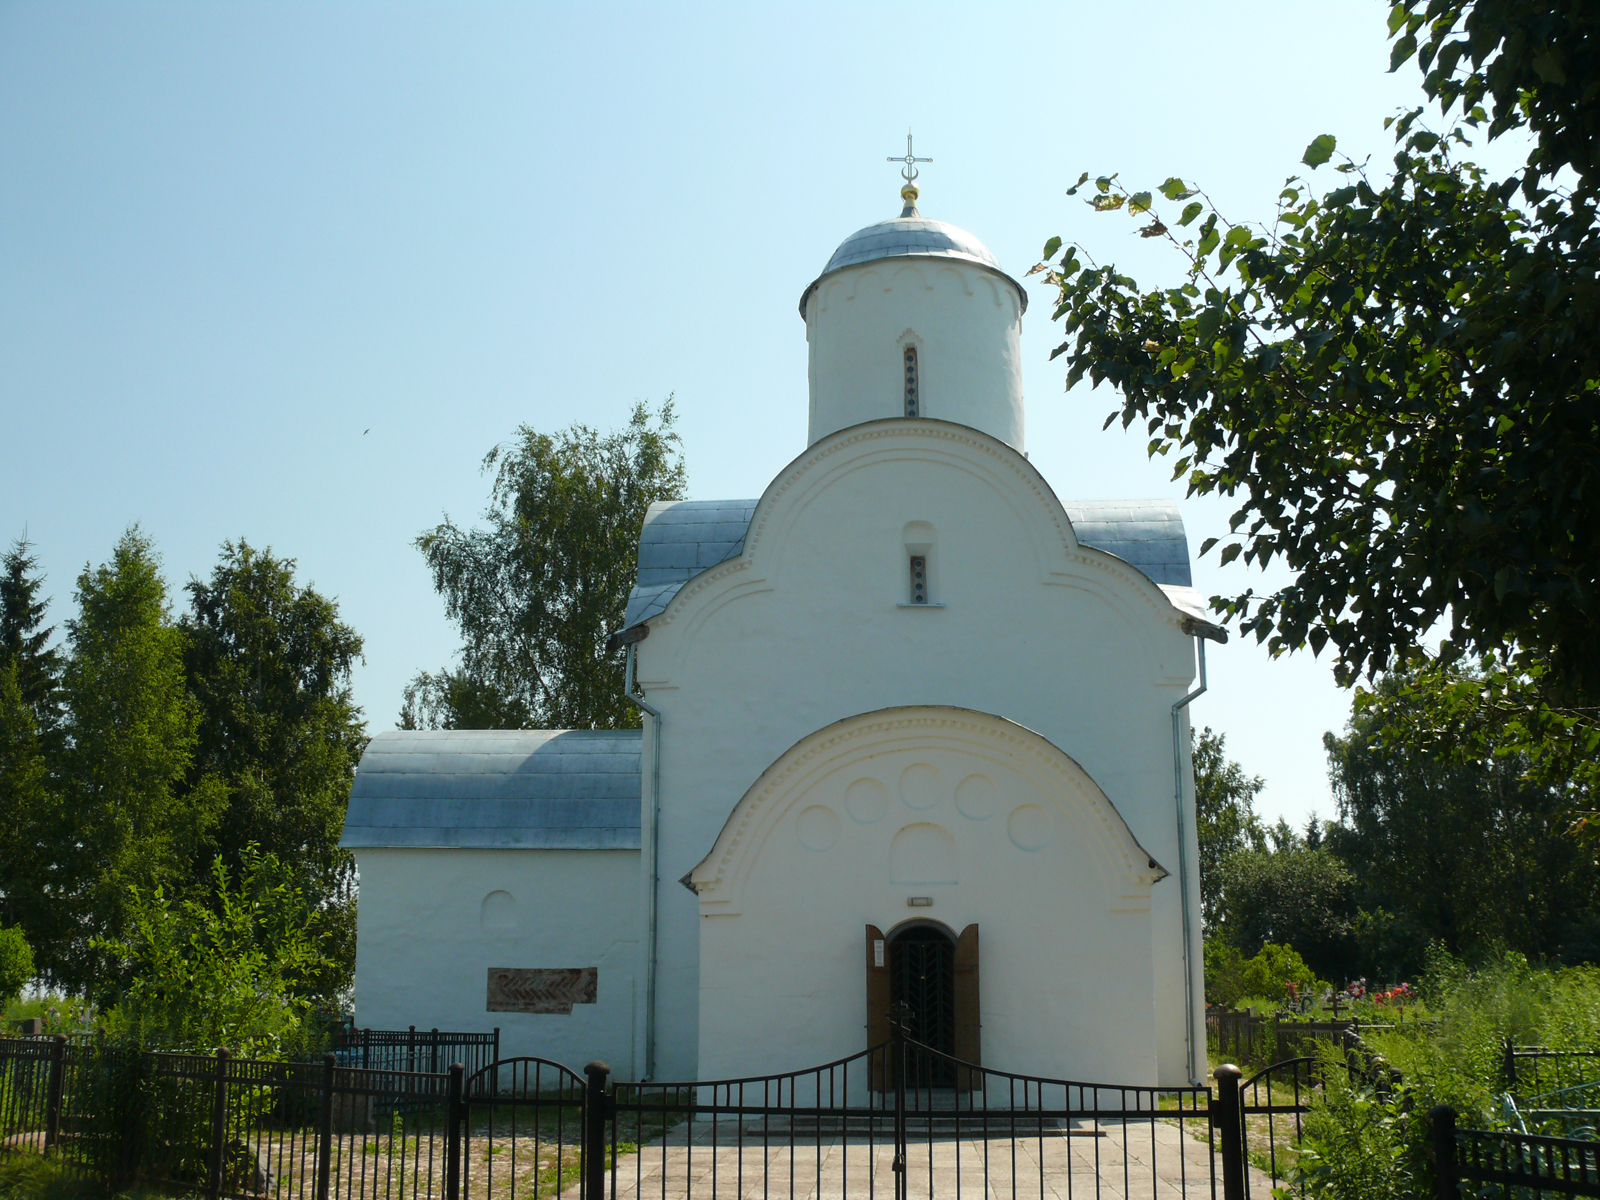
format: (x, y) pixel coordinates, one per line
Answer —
(910, 235)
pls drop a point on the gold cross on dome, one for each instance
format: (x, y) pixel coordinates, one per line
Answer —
(909, 172)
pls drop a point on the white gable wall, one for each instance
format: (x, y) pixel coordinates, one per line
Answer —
(807, 628)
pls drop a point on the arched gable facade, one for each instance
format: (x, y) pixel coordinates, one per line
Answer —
(941, 813)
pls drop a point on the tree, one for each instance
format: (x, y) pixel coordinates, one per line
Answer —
(127, 818)
(16, 964)
(1398, 379)
(24, 637)
(1289, 894)
(1533, 61)
(1224, 801)
(268, 662)
(30, 816)
(238, 966)
(537, 592)
(1464, 854)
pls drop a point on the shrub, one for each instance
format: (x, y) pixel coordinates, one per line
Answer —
(237, 969)
(1272, 972)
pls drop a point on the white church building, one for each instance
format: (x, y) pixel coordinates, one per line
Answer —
(915, 730)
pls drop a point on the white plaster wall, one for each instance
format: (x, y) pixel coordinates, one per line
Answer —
(965, 321)
(849, 826)
(424, 952)
(806, 628)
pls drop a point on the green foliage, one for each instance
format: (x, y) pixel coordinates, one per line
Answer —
(16, 963)
(127, 818)
(268, 661)
(1277, 970)
(237, 968)
(29, 812)
(35, 1177)
(24, 637)
(60, 1014)
(1224, 800)
(1225, 983)
(1289, 893)
(539, 590)
(1533, 63)
(1359, 1145)
(1399, 381)
(1438, 843)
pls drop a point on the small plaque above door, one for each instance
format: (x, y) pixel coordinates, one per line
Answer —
(541, 989)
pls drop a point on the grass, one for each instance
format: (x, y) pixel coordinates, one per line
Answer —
(28, 1176)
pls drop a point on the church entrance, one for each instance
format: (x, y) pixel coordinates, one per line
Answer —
(922, 976)
(935, 974)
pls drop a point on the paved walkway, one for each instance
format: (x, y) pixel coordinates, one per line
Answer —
(1139, 1161)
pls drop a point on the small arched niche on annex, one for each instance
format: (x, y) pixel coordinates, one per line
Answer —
(498, 912)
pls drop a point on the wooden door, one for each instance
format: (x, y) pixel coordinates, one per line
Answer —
(878, 1005)
(969, 1013)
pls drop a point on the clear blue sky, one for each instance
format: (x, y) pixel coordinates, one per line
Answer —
(234, 237)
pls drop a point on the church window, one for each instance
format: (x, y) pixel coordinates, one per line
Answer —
(913, 404)
(919, 579)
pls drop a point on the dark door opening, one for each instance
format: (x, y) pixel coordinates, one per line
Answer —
(922, 974)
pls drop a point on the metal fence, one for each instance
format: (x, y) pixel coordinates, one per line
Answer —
(899, 1120)
(416, 1049)
(1509, 1164)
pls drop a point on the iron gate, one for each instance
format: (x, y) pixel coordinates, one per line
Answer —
(873, 1124)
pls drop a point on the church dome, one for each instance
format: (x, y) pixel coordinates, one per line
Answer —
(910, 235)
(915, 318)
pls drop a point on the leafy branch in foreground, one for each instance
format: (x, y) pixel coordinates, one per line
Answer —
(1397, 381)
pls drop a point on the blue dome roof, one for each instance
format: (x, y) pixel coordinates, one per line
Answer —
(911, 236)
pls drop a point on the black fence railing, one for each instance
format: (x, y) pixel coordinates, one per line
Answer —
(1508, 1164)
(1260, 1039)
(898, 1120)
(416, 1049)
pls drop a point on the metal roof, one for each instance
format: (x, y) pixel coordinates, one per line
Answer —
(910, 236)
(1147, 534)
(681, 539)
(557, 789)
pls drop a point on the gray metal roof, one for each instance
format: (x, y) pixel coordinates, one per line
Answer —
(910, 236)
(681, 539)
(1147, 534)
(559, 789)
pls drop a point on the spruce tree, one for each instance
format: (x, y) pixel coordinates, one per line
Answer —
(25, 638)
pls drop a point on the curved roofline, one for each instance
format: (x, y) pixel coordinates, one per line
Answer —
(1183, 602)
(829, 735)
(956, 255)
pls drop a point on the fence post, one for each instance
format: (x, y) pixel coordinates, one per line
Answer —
(1442, 1133)
(219, 1125)
(411, 1047)
(52, 1110)
(366, 1048)
(325, 1129)
(1508, 1065)
(595, 1111)
(497, 1043)
(456, 1117)
(433, 1056)
(1227, 1118)
(899, 1013)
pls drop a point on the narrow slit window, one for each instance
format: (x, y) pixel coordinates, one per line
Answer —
(912, 403)
(919, 579)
